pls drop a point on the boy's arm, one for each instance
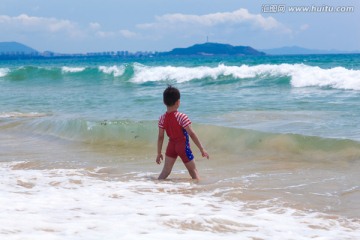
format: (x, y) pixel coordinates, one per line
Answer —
(196, 140)
(160, 141)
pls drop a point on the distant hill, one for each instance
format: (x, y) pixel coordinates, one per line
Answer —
(209, 49)
(295, 50)
(15, 48)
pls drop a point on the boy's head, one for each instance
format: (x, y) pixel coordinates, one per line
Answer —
(171, 95)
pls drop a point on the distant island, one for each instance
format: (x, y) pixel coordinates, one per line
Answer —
(211, 49)
(15, 50)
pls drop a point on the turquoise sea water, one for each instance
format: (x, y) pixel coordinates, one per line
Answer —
(310, 95)
(282, 132)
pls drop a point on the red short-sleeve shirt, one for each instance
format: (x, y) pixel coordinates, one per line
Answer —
(173, 123)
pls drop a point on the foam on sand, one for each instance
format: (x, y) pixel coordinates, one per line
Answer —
(85, 204)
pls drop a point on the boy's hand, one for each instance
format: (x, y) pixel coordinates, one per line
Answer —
(159, 158)
(204, 153)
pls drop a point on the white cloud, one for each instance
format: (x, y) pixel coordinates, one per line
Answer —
(94, 26)
(27, 23)
(238, 17)
(304, 27)
(32, 24)
(127, 34)
(105, 34)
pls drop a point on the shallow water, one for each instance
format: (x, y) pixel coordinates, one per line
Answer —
(76, 190)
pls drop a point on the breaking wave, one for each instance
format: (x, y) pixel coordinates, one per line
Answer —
(296, 75)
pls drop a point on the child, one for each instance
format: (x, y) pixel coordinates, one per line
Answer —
(178, 128)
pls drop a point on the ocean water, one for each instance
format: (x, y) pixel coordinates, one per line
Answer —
(78, 147)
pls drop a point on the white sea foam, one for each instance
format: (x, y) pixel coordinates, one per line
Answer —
(116, 71)
(4, 72)
(72, 69)
(301, 75)
(69, 203)
(21, 115)
(338, 77)
(180, 74)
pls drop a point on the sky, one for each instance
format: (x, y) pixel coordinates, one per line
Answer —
(80, 26)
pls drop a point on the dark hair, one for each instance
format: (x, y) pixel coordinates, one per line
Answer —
(171, 95)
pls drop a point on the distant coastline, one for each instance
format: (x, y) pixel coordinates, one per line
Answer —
(15, 50)
(18, 50)
(295, 50)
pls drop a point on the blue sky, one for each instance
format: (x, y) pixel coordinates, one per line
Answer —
(71, 26)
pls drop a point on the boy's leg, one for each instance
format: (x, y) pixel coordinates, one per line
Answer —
(168, 165)
(192, 170)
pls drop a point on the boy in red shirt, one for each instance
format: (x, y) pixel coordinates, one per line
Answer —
(178, 128)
